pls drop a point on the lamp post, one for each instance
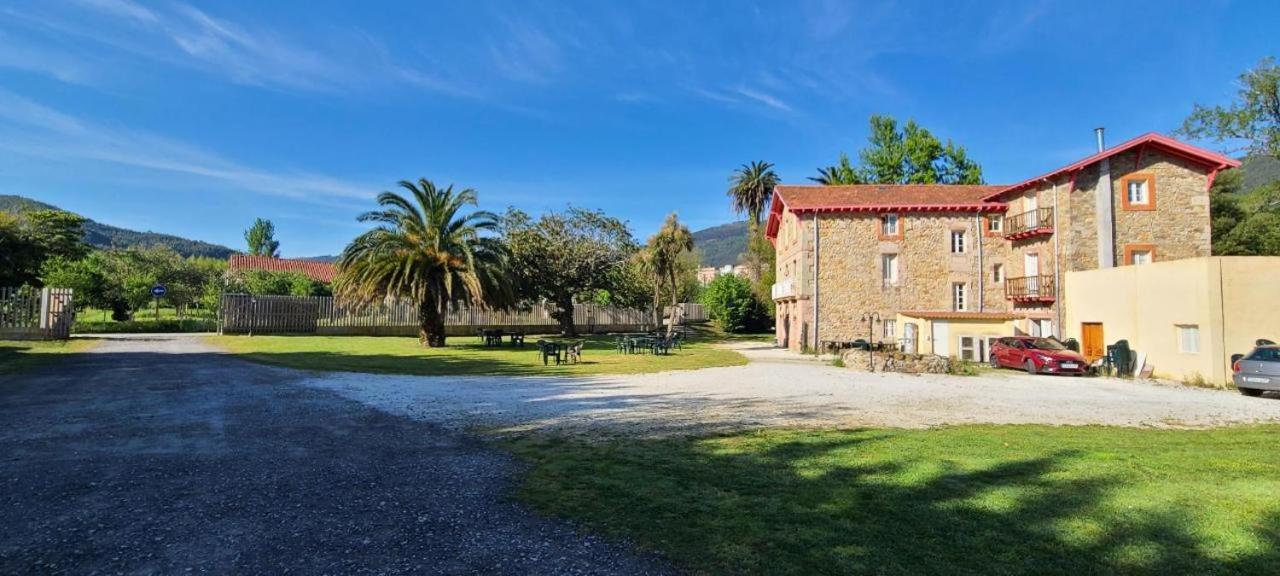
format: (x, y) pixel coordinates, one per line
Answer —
(871, 318)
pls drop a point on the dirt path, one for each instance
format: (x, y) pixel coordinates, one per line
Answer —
(782, 389)
(159, 455)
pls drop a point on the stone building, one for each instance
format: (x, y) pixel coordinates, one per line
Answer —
(944, 269)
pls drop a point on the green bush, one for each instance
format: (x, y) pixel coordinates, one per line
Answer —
(145, 326)
(731, 303)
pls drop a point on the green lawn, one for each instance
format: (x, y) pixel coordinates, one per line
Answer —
(463, 355)
(960, 500)
(18, 355)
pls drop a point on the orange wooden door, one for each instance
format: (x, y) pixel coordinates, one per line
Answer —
(1091, 342)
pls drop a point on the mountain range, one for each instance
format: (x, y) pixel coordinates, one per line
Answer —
(102, 235)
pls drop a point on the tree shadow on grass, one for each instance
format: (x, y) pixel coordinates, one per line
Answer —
(817, 505)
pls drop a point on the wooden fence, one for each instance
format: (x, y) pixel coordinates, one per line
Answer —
(36, 314)
(244, 314)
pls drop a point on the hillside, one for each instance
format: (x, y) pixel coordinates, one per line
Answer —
(721, 245)
(107, 236)
(1258, 171)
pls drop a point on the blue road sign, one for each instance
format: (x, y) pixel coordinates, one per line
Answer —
(159, 290)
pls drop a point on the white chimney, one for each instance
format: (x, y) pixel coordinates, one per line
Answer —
(1104, 206)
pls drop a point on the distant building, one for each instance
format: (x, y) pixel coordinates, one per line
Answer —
(318, 271)
(708, 273)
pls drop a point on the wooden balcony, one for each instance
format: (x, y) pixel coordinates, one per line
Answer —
(1030, 289)
(1027, 224)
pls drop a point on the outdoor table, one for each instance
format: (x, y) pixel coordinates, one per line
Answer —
(517, 339)
(492, 337)
(551, 348)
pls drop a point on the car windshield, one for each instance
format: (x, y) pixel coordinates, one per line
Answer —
(1045, 344)
(1266, 355)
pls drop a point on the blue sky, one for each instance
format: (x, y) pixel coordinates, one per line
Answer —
(194, 118)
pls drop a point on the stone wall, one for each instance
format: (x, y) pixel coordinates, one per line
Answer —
(850, 275)
(897, 362)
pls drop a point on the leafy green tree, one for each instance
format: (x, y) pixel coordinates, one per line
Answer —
(731, 303)
(427, 249)
(1253, 118)
(667, 250)
(565, 257)
(630, 286)
(261, 238)
(58, 234)
(1257, 235)
(272, 283)
(907, 155)
(28, 239)
(19, 254)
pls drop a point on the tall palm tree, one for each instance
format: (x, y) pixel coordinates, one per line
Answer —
(751, 188)
(665, 248)
(842, 173)
(426, 249)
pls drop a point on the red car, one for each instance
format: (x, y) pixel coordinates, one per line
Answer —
(1037, 356)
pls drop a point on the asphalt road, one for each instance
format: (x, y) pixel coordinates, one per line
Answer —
(158, 455)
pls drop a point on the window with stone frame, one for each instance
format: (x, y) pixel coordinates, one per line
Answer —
(890, 329)
(1138, 192)
(959, 302)
(997, 273)
(890, 227)
(889, 269)
(957, 242)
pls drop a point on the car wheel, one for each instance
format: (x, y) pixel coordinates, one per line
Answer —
(1031, 367)
(1250, 391)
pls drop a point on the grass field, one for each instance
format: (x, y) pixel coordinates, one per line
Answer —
(463, 355)
(18, 355)
(960, 500)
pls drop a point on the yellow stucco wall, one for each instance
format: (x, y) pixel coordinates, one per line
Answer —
(1251, 303)
(955, 329)
(1232, 300)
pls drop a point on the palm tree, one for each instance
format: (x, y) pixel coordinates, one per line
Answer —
(425, 249)
(751, 187)
(840, 174)
(665, 249)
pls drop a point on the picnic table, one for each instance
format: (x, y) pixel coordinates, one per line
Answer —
(641, 342)
(563, 351)
(493, 337)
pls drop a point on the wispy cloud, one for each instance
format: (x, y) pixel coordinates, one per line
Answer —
(38, 131)
(525, 53)
(123, 9)
(179, 34)
(765, 99)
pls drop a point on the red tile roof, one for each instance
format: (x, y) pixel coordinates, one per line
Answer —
(321, 271)
(1207, 158)
(881, 198)
(957, 315)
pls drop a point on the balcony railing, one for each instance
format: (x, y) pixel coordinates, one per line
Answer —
(1028, 224)
(785, 288)
(1030, 289)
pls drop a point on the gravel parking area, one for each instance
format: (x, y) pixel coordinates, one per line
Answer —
(158, 455)
(782, 389)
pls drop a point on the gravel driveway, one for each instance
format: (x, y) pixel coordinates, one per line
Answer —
(156, 455)
(782, 389)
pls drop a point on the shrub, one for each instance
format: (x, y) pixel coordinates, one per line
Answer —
(146, 326)
(731, 303)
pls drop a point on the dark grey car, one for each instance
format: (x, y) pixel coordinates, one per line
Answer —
(1258, 371)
